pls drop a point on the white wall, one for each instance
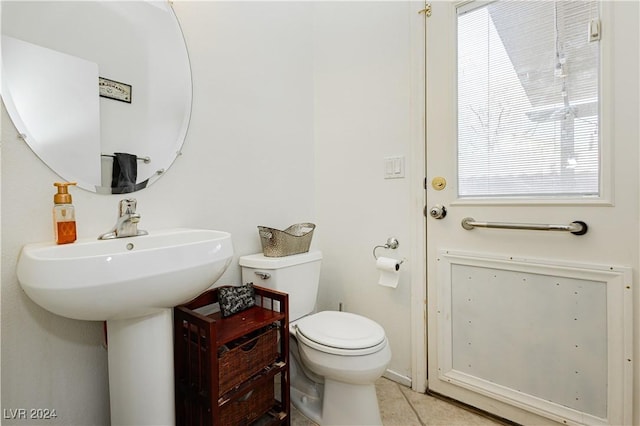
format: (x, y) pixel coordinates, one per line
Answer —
(363, 114)
(295, 107)
(248, 160)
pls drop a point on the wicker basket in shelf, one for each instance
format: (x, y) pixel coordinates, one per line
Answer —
(247, 358)
(248, 407)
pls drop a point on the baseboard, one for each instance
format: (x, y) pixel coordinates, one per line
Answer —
(397, 377)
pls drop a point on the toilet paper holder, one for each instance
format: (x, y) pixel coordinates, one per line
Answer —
(392, 243)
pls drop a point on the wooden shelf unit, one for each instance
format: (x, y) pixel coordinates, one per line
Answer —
(245, 341)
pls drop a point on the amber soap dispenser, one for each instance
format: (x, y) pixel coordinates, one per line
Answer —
(64, 215)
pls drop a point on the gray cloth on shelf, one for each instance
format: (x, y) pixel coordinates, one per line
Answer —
(234, 299)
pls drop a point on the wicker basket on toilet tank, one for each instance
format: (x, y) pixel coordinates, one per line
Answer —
(293, 240)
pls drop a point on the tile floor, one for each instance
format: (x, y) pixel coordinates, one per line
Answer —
(400, 406)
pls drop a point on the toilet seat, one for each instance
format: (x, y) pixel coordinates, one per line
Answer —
(341, 333)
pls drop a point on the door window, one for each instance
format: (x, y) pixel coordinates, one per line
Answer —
(528, 99)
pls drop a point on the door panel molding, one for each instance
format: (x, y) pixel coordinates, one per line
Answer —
(538, 316)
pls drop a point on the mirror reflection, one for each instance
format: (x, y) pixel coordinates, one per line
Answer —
(100, 91)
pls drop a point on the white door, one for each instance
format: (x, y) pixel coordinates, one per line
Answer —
(534, 325)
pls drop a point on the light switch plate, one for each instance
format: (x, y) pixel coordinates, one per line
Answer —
(394, 167)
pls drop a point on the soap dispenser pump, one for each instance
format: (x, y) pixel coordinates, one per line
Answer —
(64, 215)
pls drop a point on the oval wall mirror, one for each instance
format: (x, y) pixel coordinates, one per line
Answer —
(101, 91)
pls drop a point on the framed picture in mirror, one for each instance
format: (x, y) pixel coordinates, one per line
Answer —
(114, 90)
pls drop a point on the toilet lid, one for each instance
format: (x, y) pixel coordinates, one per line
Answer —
(343, 331)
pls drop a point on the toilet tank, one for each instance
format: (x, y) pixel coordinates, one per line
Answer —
(297, 275)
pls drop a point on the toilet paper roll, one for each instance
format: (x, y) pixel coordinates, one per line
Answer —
(389, 271)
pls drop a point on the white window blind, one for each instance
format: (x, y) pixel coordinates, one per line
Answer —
(528, 96)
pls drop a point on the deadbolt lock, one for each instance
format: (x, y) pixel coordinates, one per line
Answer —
(438, 183)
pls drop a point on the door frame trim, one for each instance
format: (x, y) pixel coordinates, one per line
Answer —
(418, 249)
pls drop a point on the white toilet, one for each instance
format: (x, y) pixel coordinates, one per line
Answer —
(335, 357)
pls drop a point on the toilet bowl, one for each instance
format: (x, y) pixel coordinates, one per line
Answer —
(335, 357)
(342, 346)
(348, 366)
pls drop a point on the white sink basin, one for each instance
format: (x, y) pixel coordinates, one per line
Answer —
(125, 277)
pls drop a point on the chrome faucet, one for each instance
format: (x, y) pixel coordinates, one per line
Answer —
(127, 223)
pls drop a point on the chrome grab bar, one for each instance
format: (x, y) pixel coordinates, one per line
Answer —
(576, 227)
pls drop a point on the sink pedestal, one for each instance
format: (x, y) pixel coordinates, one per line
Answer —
(141, 385)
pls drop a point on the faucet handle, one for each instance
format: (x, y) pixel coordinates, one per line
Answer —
(127, 206)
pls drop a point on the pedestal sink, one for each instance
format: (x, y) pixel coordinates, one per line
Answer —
(133, 284)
